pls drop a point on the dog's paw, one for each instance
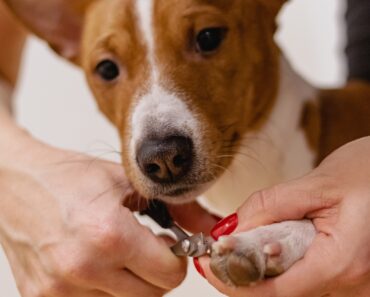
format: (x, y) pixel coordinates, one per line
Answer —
(246, 258)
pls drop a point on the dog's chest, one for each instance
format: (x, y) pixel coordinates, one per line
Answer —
(278, 152)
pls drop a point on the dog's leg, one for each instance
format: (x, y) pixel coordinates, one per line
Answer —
(245, 258)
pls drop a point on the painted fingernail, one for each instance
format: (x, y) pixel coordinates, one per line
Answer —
(198, 267)
(225, 226)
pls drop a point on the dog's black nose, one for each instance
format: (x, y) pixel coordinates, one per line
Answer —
(165, 160)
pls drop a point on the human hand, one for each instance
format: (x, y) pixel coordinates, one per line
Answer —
(66, 232)
(336, 197)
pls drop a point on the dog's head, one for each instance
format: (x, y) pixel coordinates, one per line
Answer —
(182, 80)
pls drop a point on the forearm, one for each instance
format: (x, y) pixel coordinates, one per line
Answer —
(13, 147)
(16, 144)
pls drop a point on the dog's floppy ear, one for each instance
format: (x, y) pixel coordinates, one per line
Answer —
(59, 22)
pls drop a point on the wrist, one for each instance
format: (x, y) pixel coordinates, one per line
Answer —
(17, 146)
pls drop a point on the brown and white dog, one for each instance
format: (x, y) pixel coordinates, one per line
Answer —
(205, 103)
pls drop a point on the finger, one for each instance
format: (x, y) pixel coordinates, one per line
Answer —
(167, 239)
(123, 283)
(289, 201)
(193, 217)
(148, 256)
(309, 276)
(37, 289)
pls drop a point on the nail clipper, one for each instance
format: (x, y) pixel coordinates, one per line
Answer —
(196, 245)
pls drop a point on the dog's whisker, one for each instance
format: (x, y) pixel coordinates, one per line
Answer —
(113, 187)
(234, 151)
(240, 163)
(101, 151)
(109, 146)
(238, 150)
(86, 159)
(224, 128)
(224, 156)
(223, 168)
(259, 162)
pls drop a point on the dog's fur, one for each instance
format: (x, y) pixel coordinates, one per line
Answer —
(252, 120)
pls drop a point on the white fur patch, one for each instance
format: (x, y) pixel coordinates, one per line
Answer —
(159, 112)
(144, 9)
(276, 153)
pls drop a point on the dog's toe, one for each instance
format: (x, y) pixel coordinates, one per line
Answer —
(243, 270)
(235, 266)
(274, 259)
(246, 258)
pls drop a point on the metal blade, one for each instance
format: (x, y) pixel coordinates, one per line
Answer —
(195, 246)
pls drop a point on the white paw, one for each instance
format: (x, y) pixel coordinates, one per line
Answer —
(245, 258)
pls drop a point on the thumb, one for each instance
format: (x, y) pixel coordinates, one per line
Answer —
(293, 200)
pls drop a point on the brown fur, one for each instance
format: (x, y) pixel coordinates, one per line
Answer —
(310, 123)
(231, 91)
(345, 116)
(233, 87)
(117, 39)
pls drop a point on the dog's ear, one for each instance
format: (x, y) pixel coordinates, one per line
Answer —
(59, 22)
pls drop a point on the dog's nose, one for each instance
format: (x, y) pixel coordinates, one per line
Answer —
(165, 160)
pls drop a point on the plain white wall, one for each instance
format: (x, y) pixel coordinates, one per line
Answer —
(54, 103)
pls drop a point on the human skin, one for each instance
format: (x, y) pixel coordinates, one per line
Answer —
(336, 197)
(65, 230)
(63, 223)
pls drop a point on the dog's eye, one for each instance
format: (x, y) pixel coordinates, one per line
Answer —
(108, 70)
(208, 40)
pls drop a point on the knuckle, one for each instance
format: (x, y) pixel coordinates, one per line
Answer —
(53, 287)
(107, 237)
(323, 182)
(28, 290)
(265, 199)
(71, 268)
(324, 189)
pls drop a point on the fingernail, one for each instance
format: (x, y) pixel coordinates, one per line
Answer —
(225, 226)
(198, 267)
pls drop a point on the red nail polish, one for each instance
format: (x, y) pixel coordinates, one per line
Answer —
(198, 267)
(225, 226)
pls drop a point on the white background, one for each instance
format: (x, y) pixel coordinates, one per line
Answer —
(53, 101)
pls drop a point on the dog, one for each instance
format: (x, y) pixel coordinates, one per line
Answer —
(205, 103)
